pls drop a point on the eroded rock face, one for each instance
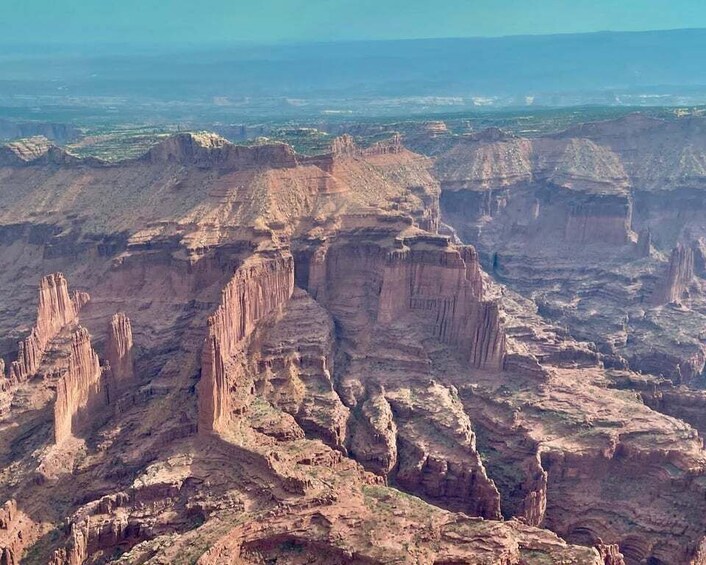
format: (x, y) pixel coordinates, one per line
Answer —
(79, 390)
(556, 217)
(678, 278)
(301, 365)
(295, 367)
(439, 284)
(258, 289)
(56, 310)
(10, 544)
(119, 350)
(374, 436)
(17, 532)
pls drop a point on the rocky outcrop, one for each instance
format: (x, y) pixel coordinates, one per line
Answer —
(17, 533)
(424, 277)
(211, 151)
(56, 309)
(345, 146)
(511, 460)
(294, 360)
(10, 541)
(260, 287)
(373, 440)
(679, 277)
(119, 349)
(24, 151)
(90, 536)
(38, 151)
(611, 554)
(448, 470)
(79, 391)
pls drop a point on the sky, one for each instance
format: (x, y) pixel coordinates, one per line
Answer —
(266, 21)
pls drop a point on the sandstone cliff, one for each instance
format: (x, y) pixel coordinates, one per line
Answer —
(119, 349)
(56, 309)
(258, 288)
(269, 422)
(556, 217)
(79, 389)
(424, 277)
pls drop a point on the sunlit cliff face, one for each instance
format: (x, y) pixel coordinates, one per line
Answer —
(268, 356)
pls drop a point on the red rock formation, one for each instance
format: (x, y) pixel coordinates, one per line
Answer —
(119, 352)
(7, 514)
(10, 545)
(294, 359)
(209, 150)
(424, 277)
(611, 554)
(17, 532)
(374, 433)
(56, 309)
(79, 390)
(259, 287)
(436, 452)
(88, 536)
(105, 523)
(182, 217)
(679, 276)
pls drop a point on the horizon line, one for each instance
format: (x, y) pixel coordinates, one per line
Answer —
(322, 41)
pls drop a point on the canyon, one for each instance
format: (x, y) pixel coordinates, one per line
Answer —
(487, 351)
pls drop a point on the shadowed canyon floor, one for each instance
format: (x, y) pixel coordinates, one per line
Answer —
(223, 354)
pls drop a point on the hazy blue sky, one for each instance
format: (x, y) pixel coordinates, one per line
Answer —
(303, 20)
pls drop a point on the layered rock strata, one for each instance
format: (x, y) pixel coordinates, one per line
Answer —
(80, 390)
(119, 349)
(556, 217)
(258, 288)
(424, 277)
(56, 310)
(330, 415)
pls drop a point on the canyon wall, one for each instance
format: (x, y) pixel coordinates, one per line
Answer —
(119, 349)
(258, 288)
(678, 278)
(79, 391)
(386, 366)
(599, 219)
(556, 217)
(425, 277)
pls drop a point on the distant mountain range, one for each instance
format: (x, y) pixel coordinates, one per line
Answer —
(633, 68)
